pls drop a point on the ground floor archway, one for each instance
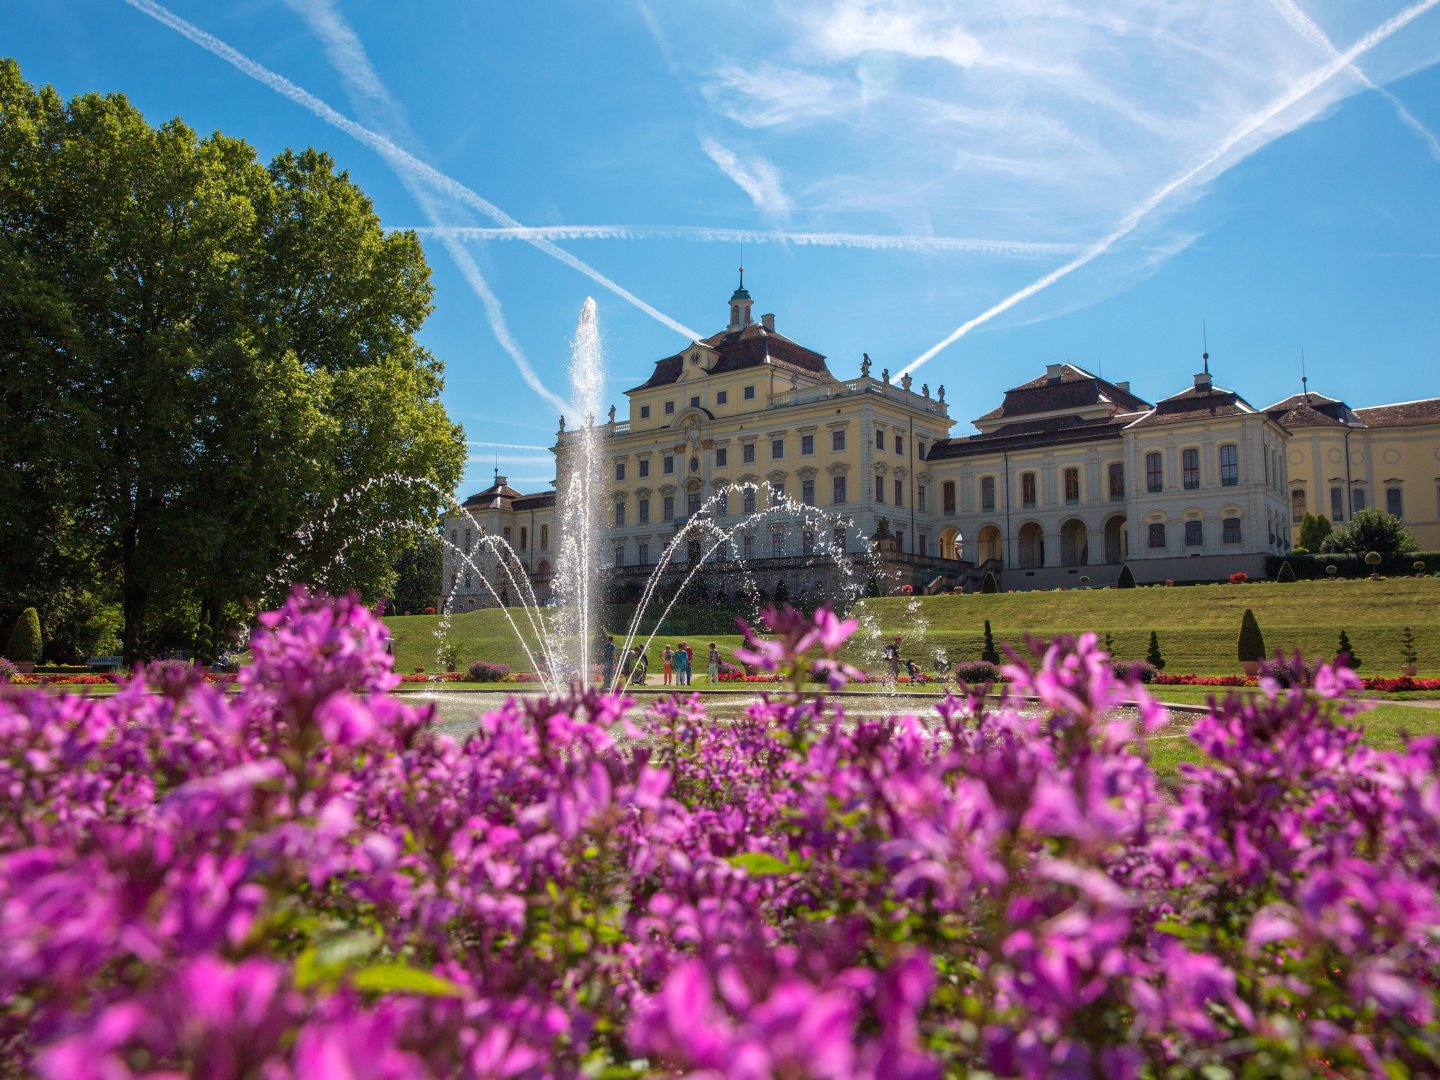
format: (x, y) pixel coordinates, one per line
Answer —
(1074, 543)
(991, 545)
(952, 544)
(1117, 540)
(1032, 546)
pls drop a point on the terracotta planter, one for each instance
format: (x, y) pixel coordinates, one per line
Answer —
(1250, 667)
(25, 667)
(1410, 670)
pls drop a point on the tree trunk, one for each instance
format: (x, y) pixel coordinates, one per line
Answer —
(134, 597)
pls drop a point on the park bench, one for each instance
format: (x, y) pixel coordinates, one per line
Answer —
(104, 663)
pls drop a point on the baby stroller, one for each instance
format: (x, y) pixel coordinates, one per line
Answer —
(916, 675)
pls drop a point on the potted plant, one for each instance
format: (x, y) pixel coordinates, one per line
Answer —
(1373, 560)
(1408, 654)
(1251, 646)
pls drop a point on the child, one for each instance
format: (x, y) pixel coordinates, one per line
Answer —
(712, 667)
(667, 663)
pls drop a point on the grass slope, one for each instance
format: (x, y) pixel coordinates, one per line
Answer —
(1198, 625)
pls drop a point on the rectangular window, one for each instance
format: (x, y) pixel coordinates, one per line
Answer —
(669, 508)
(920, 449)
(747, 453)
(920, 498)
(1357, 499)
(468, 548)
(1154, 473)
(619, 554)
(1337, 505)
(692, 503)
(644, 469)
(899, 492)
(644, 412)
(837, 491)
(838, 539)
(947, 496)
(807, 543)
(899, 540)
(694, 403)
(747, 547)
(879, 439)
(1072, 485)
(777, 494)
(807, 492)
(507, 534)
(1297, 504)
(642, 553)
(987, 493)
(1229, 465)
(1230, 531)
(749, 394)
(1194, 534)
(1157, 535)
(1117, 481)
(777, 545)
(924, 544)
(1190, 468)
(1027, 489)
(544, 537)
(777, 449)
(722, 458)
(669, 407)
(454, 538)
(721, 397)
(807, 444)
(619, 470)
(899, 444)
(643, 513)
(747, 502)
(524, 537)
(619, 515)
(879, 489)
(667, 464)
(837, 440)
(722, 503)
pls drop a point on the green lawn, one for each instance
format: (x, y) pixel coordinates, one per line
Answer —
(1198, 625)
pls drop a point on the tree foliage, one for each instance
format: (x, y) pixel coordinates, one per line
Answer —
(1371, 529)
(1154, 657)
(988, 652)
(1314, 528)
(209, 354)
(25, 642)
(1251, 646)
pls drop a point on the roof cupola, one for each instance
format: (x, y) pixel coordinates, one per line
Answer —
(739, 306)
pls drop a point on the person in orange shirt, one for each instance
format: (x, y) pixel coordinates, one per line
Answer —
(667, 662)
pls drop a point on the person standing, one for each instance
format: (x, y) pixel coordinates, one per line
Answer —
(682, 666)
(689, 662)
(667, 663)
(609, 661)
(712, 667)
(892, 658)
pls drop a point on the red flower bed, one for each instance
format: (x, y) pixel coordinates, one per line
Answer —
(439, 676)
(1203, 680)
(1403, 683)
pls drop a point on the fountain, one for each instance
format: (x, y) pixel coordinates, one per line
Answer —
(560, 642)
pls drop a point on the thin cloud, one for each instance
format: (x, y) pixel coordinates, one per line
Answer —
(708, 234)
(1306, 28)
(1229, 144)
(394, 155)
(505, 445)
(755, 176)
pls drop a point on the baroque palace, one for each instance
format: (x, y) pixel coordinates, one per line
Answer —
(1070, 477)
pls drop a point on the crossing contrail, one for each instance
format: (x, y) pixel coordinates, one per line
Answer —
(397, 158)
(708, 234)
(1306, 28)
(1138, 214)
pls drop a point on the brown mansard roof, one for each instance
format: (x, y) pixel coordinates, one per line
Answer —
(1196, 403)
(743, 348)
(502, 496)
(1074, 388)
(1310, 410)
(1403, 414)
(1056, 431)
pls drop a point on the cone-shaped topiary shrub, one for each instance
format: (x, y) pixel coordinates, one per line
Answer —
(24, 647)
(1408, 655)
(1251, 646)
(1126, 579)
(988, 652)
(1344, 654)
(1154, 657)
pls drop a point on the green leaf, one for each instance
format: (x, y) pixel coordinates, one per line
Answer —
(758, 863)
(327, 960)
(403, 979)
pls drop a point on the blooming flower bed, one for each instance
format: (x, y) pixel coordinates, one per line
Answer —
(302, 880)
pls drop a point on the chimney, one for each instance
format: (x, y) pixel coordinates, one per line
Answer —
(768, 321)
(1202, 380)
(1052, 372)
(1123, 386)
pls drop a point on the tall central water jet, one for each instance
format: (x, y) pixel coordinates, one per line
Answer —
(580, 503)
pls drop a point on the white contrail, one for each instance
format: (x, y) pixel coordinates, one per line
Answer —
(1305, 86)
(708, 234)
(398, 158)
(1307, 29)
(506, 445)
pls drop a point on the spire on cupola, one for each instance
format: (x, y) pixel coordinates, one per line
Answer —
(739, 306)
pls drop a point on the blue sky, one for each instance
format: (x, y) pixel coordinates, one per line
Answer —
(969, 190)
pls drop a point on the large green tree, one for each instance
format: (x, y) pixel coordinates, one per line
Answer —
(217, 384)
(1371, 529)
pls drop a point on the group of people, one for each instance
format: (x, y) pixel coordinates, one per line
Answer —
(894, 661)
(678, 663)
